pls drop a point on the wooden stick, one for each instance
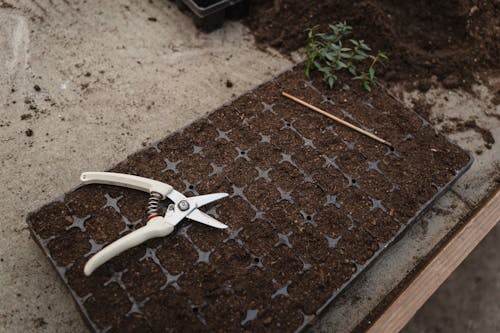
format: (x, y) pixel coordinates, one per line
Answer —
(343, 122)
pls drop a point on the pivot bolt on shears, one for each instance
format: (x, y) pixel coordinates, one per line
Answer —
(157, 225)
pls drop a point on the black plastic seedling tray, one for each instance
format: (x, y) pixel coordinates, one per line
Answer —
(210, 14)
(311, 206)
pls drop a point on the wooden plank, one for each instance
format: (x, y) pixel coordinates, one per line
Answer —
(439, 269)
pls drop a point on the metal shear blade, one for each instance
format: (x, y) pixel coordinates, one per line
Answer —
(188, 207)
(198, 216)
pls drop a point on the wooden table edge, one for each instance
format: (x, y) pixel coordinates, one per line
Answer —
(405, 306)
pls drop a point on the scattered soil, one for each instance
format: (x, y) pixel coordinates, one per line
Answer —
(422, 107)
(6, 5)
(40, 323)
(496, 100)
(311, 204)
(26, 116)
(461, 126)
(452, 40)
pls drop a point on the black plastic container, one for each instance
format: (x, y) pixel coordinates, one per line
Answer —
(41, 232)
(210, 14)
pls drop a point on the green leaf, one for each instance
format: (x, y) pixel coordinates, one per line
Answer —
(362, 53)
(371, 71)
(364, 46)
(331, 82)
(330, 56)
(340, 65)
(366, 85)
(336, 47)
(325, 70)
(352, 70)
(358, 57)
(308, 72)
(311, 32)
(383, 55)
(318, 66)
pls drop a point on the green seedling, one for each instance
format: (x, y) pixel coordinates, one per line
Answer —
(329, 53)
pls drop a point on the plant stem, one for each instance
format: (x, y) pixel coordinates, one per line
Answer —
(374, 61)
(277, 6)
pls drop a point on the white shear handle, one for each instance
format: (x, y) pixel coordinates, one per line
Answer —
(121, 179)
(156, 227)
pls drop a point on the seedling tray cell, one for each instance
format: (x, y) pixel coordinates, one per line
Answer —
(311, 205)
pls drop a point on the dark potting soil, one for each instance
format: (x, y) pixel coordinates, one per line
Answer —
(311, 204)
(452, 40)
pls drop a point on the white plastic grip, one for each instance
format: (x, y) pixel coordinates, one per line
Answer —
(120, 179)
(156, 227)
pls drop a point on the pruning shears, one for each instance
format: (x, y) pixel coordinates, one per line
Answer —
(157, 225)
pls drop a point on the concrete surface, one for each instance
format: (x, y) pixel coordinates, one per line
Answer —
(112, 80)
(146, 79)
(468, 301)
